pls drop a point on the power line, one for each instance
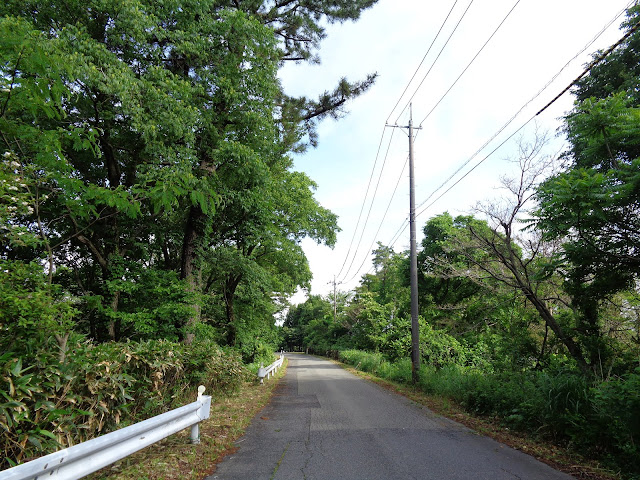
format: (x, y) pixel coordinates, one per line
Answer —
(436, 59)
(592, 65)
(399, 232)
(370, 206)
(399, 99)
(395, 106)
(589, 67)
(422, 61)
(471, 62)
(375, 236)
(364, 201)
(476, 166)
(547, 85)
(403, 226)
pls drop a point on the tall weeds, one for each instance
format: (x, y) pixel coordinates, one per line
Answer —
(46, 405)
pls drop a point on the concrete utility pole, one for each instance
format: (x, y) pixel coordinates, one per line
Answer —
(335, 310)
(413, 261)
(413, 258)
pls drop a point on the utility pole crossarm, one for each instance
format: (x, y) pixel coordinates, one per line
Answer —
(335, 310)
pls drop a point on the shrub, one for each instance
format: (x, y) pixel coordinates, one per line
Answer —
(46, 404)
(438, 348)
(614, 429)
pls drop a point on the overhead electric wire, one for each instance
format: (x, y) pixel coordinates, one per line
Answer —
(370, 207)
(436, 59)
(404, 224)
(591, 65)
(400, 231)
(422, 61)
(547, 85)
(381, 221)
(385, 215)
(471, 62)
(476, 166)
(364, 202)
(381, 138)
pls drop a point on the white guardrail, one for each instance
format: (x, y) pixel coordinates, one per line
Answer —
(87, 457)
(271, 369)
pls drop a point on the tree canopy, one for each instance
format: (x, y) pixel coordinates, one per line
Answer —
(593, 206)
(147, 157)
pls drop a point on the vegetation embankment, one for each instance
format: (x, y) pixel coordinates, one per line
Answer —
(104, 387)
(175, 458)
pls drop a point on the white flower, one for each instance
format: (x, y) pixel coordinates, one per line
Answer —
(7, 154)
(30, 210)
(13, 188)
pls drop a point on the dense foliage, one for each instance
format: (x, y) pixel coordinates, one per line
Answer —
(47, 404)
(148, 201)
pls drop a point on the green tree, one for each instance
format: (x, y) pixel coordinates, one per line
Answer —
(369, 321)
(388, 283)
(440, 285)
(475, 309)
(158, 130)
(296, 324)
(258, 236)
(593, 206)
(35, 313)
(518, 258)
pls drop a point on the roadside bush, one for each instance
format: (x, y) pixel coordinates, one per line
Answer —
(613, 431)
(45, 405)
(23, 404)
(438, 348)
(365, 361)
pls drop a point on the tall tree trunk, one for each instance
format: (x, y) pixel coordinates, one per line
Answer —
(229, 292)
(573, 348)
(231, 336)
(189, 268)
(114, 322)
(111, 245)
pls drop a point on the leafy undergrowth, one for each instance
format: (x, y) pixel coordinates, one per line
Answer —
(559, 458)
(175, 458)
(47, 405)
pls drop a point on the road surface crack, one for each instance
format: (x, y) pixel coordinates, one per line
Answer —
(511, 473)
(275, 470)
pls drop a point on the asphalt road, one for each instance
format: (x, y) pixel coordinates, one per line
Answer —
(324, 423)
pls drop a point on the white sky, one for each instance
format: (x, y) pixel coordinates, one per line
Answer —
(533, 45)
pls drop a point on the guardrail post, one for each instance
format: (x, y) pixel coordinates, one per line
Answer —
(262, 372)
(195, 428)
